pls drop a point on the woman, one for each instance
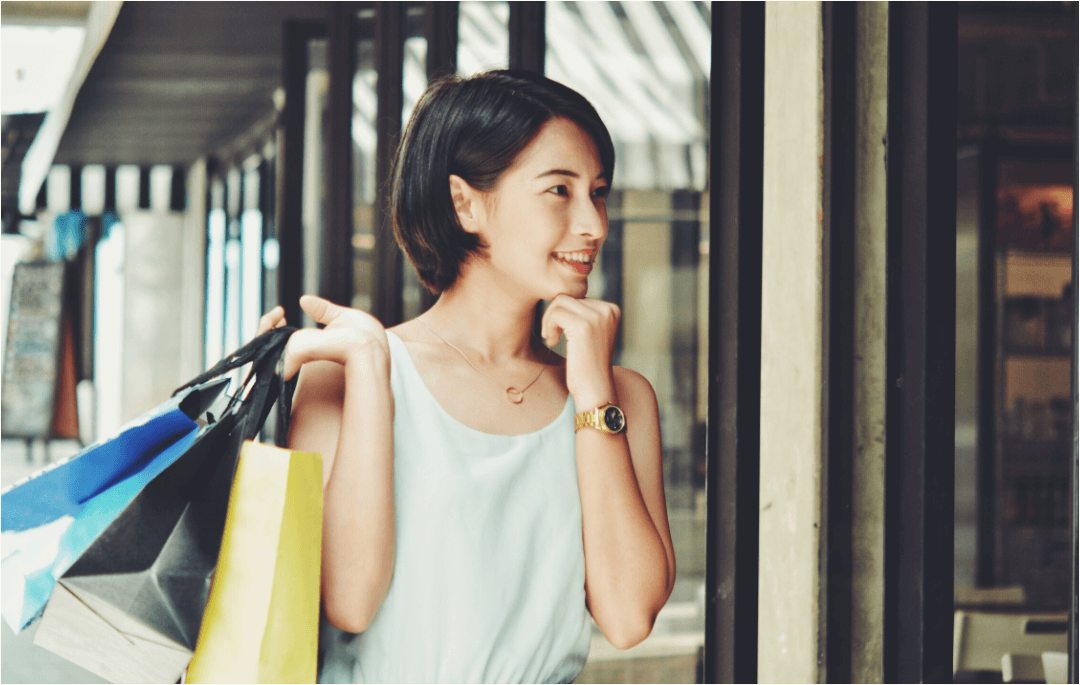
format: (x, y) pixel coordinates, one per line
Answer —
(468, 527)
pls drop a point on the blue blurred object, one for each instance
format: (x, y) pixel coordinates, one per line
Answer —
(64, 489)
(51, 518)
(66, 237)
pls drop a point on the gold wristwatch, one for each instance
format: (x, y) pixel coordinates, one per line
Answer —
(606, 419)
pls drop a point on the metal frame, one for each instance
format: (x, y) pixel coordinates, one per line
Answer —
(920, 342)
(290, 164)
(838, 458)
(528, 42)
(731, 572)
(336, 260)
(441, 32)
(386, 298)
(441, 21)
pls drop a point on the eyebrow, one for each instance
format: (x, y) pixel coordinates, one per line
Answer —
(566, 172)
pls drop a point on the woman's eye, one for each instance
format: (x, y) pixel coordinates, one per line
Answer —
(559, 190)
(602, 192)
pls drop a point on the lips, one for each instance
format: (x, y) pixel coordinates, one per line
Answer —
(580, 261)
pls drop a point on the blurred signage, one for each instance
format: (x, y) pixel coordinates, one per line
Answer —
(37, 352)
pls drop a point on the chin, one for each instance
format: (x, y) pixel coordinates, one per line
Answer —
(576, 291)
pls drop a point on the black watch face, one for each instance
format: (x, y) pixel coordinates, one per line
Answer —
(614, 419)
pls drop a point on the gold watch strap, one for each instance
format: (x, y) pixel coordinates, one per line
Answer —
(588, 419)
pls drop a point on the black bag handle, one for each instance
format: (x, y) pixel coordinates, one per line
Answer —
(266, 355)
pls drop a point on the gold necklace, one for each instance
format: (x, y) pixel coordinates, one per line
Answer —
(513, 394)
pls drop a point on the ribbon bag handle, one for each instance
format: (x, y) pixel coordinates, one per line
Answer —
(266, 355)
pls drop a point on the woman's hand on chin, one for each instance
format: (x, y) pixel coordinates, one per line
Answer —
(590, 327)
(348, 333)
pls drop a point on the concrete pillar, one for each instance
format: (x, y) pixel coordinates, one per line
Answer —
(792, 349)
(193, 275)
(868, 476)
(153, 328)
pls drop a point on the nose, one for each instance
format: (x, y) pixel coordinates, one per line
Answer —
(590, 218)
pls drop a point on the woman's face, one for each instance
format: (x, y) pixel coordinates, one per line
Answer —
(546, 218)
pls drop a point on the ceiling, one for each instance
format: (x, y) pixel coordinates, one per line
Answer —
(176, 80)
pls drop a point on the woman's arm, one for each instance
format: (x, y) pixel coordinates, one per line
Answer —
(629, 558)
(343, 408)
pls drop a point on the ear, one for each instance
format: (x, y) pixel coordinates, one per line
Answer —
(467, 203)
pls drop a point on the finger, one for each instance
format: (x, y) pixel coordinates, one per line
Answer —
(551, 329)
(275, 318)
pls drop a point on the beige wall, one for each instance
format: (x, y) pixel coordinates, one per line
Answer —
(791, 346)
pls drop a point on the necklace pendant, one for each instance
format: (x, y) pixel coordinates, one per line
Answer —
(514, 395)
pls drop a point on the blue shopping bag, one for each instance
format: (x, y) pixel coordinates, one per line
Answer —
(51, 518)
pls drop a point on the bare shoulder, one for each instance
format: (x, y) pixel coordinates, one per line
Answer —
(634, 389)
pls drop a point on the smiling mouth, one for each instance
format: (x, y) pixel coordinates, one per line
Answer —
(580, 261)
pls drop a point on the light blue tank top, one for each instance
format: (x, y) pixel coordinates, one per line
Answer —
(489, 577)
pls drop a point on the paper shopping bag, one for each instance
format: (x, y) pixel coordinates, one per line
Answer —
(262, 619)
(143, 583)
(51, 518)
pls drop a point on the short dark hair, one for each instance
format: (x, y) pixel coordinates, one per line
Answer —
(473, 128)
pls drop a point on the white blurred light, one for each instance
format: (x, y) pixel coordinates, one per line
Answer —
(36, 63)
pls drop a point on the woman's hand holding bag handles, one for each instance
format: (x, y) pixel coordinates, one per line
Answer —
(131, 604)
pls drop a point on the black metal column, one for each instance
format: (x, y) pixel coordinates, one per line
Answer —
(920, 342)
(336, 260)
(441, 32)
(738, 97)
(290, 177)
(527, 40)
(839, 455)
(386, 298)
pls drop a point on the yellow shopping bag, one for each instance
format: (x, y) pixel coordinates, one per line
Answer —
(262, 617)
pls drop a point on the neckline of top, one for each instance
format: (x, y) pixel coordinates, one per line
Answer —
(567, 407)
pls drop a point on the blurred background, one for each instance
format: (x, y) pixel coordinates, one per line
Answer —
(184, 167)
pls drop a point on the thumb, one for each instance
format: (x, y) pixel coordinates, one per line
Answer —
(323, 311)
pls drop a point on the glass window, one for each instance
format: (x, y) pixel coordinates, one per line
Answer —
(645, 67)
(365, 109)
(483, 39)
(1035, 427)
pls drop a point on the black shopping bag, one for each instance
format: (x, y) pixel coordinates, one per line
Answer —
(130, 607)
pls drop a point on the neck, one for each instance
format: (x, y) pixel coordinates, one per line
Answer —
(485, 319)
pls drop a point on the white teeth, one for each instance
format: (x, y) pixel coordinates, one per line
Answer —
(579, 257)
